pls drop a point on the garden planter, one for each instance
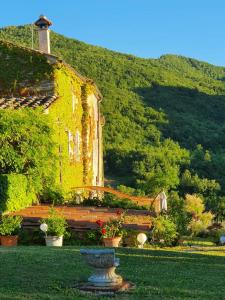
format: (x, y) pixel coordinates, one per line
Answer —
(112, 242)
(104, 263)
(54, 241)
(9, 241)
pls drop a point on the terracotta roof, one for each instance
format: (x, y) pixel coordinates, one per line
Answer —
(31, 101)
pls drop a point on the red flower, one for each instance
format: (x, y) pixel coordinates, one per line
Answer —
(100, 223)
(119, 212)
(103, 231)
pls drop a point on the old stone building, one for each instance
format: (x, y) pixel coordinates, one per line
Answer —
(35, 78)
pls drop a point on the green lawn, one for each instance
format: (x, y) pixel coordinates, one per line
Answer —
(50, 273)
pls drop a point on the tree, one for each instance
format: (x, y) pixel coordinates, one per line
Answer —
(158, 168)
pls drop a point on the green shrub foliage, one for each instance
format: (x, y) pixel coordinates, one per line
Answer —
(57, 224)
(15, 192)
(177, 213)
(112, 201)
(164, 230)
(52, 195)
(26, 146)
(200, 220)
(10, 225)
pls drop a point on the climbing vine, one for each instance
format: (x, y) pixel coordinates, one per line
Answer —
(84, 101)
(22, 69)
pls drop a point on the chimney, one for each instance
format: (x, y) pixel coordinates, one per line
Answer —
(43, 25)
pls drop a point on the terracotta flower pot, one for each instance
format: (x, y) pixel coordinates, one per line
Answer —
(112, 242)
(9, 241)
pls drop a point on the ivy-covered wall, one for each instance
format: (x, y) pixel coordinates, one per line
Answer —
(75, 120)
(66, 114)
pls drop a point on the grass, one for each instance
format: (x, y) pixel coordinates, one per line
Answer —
(50, 273)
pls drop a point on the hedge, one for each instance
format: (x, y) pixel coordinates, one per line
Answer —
(14, 192)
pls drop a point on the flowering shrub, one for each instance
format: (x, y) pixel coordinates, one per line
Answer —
(114, 227)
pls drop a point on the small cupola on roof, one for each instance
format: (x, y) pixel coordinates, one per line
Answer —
(43, 25)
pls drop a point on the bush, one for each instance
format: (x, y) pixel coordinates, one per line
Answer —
(95, 201)
(75, 198)
(194, 205)
(130, 191)
(10, 225)
(84, 238)
(177, 213)
(31, 236)
(199, 220)
(15, 192)
(56, 223)
(27, 146)
(53, 196)
(130, 239)
(213, 232)
(111, 201)
(164, 230)
(201, 223)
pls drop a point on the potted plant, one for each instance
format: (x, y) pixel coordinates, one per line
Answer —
(112, 231)
(9, 229)
(54, 227)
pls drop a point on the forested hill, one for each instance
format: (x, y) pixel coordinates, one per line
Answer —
(158, 112)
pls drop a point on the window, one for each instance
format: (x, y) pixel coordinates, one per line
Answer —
(77, 146)
(74, 143)
(74, 102)
(70, 144)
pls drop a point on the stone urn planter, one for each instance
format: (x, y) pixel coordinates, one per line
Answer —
(112, 242)
(54, 241)
(104, 263)
(9, 241)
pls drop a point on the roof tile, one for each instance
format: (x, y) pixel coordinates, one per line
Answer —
(31, 101)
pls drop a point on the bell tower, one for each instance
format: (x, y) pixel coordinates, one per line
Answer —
(43, 25)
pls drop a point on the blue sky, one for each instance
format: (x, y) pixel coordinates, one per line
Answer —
(146, 28)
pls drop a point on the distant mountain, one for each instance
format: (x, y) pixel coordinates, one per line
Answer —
(157, 112)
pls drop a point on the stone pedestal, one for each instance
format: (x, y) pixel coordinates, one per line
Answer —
(104, 264)
(105, 277)
(104, 280)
